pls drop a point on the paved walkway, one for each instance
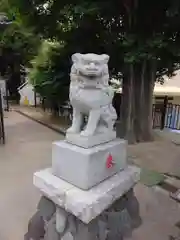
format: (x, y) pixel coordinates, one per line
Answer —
(27, 150)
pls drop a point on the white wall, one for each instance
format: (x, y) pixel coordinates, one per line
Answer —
(27, 93)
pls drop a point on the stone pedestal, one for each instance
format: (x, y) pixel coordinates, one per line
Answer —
(91, 141)
(86, 168)
(108, 211)
(88, 192)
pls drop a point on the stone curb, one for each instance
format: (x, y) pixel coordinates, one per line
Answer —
(60, 131)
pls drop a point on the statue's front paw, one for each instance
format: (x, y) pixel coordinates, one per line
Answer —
(86, 133)
(73, 130)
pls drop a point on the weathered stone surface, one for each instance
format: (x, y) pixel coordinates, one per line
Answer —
(114, 223)
(86, 168)
(102, 225)
(86, 205)
(119, 224)
(51, 233)
(132, 206)
(46, 208)
(87, 231)
(61, 220)
(68, 236)
(36, 228)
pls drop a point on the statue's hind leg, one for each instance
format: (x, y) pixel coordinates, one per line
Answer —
(111, 118)
(110, 125)
(108, 118)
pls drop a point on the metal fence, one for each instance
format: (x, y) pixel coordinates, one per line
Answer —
(2, 132)
(172, 118)
(163, 115)
(64, 111)
(166, 117)
(157, 116)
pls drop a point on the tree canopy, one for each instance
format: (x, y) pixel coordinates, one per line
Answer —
(141, 37)
(49, 72)
(18, 44)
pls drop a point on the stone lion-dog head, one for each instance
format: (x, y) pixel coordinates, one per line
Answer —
(92, 68)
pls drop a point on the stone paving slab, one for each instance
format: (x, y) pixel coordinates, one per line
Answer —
(159, 214)
(161, 156)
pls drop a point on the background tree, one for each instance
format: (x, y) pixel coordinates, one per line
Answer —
(142, 38)
(50, 71)
(18, 45)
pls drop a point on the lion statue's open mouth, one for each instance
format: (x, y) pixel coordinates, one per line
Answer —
(91, 74)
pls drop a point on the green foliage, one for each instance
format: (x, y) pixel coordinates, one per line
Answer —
(18, 44)
(49, 73)
(130, 31)
(18, 40)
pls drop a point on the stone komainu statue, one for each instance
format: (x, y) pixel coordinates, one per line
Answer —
(91, 95)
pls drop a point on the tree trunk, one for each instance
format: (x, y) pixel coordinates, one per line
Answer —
(136, 107)
(125, 129)
(147, 103)
(138, 99)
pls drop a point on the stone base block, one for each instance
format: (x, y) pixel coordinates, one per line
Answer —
(86, 168)
(86, 205)
(90, 141)
(116, 222)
